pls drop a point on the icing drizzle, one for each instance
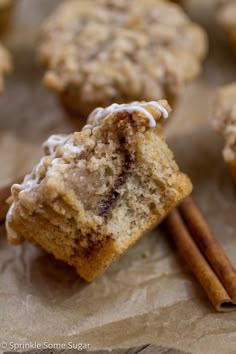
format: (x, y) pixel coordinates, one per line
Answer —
(53, 142)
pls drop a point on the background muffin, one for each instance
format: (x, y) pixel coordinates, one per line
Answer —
(5, 65)
(119, 51)
(226, 15)
(224, 121)
(6, 7)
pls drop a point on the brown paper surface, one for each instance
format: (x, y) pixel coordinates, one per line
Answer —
(149, 295)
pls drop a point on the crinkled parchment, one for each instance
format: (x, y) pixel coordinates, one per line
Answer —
(149, 296)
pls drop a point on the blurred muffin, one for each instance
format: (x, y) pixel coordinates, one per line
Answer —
(5, 65)
(226, 16)
(224, 122)
(119, 51)
(6, 7)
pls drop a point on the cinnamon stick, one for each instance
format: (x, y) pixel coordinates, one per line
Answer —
(5, 193)
(198, 264)
(209, 245)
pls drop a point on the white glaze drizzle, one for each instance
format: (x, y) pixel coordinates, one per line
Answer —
(87, 126)
(10, 232)
(54, 141)
(162, 109)
(102, 113)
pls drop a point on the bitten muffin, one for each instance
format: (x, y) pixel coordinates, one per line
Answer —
(226, 16)
(224, 122)
(5, 65)
(97, 191)
(6, 7)
(119, 51)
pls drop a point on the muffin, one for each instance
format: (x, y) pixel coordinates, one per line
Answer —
(226, 15)
(5, 65)
(97, 191)
(119, 51)
(6, 7)
(224, 122)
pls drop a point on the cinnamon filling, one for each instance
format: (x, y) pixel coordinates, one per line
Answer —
(113, 195)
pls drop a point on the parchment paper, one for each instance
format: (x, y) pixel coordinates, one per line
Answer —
(148, 296)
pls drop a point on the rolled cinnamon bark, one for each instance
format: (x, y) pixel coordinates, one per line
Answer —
(209, 245)
(197, 263)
